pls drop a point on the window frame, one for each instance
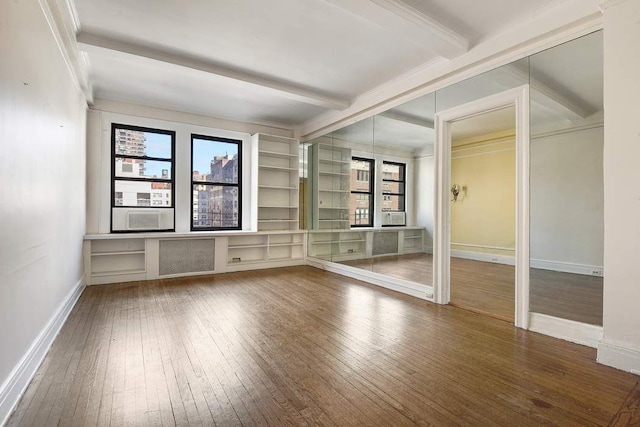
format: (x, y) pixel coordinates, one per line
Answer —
(371, 192)
(404, 186)
(238, 142)
(114, 178)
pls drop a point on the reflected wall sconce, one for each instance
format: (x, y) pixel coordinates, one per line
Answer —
(455, 192)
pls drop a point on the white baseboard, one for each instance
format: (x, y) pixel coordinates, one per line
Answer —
(417, 290)
(484, 257)
(564, 267)
(568, 330)
(567, 267)
(12, 389)
(619, 357)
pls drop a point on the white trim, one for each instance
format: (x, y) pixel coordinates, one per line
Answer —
(22, 374)
(91, 42)
(558, 24)
(568, 267)
(568, 330)
(563, 267)
(619, 357)
(518, 97)
(470, 245)
(63, 25)
(482, 153)
(484, 257)
(414, 289)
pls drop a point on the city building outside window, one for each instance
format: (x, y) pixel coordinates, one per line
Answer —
(142, 166)
(361, 201)
(216, 176)
(393, 186)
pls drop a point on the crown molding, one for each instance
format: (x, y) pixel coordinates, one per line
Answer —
(62, 18)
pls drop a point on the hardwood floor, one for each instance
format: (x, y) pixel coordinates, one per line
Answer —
(300, 346)
(489, 288)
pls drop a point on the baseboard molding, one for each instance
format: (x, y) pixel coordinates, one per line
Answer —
(484, 257)
(417, 290)
(12, 389)
(568, 330)
(619, 357)
(564, 267)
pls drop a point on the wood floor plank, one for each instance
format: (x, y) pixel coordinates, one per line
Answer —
(301, 346)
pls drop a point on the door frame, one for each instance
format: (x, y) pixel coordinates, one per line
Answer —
(518, 97)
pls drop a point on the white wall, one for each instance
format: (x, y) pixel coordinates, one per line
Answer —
(99, 167)
(424, 195)
(621, 343)
(42, 170)
(567, 197)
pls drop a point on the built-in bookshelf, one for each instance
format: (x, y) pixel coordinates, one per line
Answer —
(117, 260)
(331, 169)
(343, 245)
(269, 249)
(278, 181)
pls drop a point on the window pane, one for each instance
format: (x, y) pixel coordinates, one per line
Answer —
(215, 206)
(138, 143)
(393, 187)
(392, 203)
(142, 193)
(360, 209)
(215, 161)
(134, 168)
(360, 175)
(394, 172)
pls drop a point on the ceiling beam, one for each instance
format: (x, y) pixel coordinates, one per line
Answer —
(407, 118)
(101, 44)
(550, 96)
(409, 23)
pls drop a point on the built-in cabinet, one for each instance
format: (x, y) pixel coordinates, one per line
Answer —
(344, 245)
(330, 169)
(278, 182)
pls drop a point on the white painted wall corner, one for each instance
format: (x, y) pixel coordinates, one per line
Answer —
(20, 377)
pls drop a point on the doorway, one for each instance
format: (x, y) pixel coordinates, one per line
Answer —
(494, 259)
(483, 213)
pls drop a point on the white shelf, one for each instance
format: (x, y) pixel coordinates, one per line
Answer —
(275, 187)
(286, 244)
(116, 273)
(334, 173)
(117, 253)
(277, 154)
(278, 168)
(246, 246)
(336, 162)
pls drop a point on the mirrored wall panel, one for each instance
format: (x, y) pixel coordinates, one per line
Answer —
(567, 193)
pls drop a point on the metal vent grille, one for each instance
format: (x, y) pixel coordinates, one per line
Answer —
(186, 256)
(143, 220)
(385, 243)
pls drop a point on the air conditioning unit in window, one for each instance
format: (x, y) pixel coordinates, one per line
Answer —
(393, 218)
(143, 220)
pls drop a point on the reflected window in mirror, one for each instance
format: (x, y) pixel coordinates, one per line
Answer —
(361, 200)
(393, 186)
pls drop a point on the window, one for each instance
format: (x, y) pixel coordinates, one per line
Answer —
(216, 175)
(142, 165)
(361, 203)
(393, 186)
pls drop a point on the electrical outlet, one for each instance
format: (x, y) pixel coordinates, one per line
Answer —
(596, 272)
(238, 259)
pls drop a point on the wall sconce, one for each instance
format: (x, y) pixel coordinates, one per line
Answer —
(455, 191)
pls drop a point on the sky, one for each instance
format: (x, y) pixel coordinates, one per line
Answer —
(204, 150)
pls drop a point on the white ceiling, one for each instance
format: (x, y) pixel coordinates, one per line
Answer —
(483, 124)
(279, 62)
